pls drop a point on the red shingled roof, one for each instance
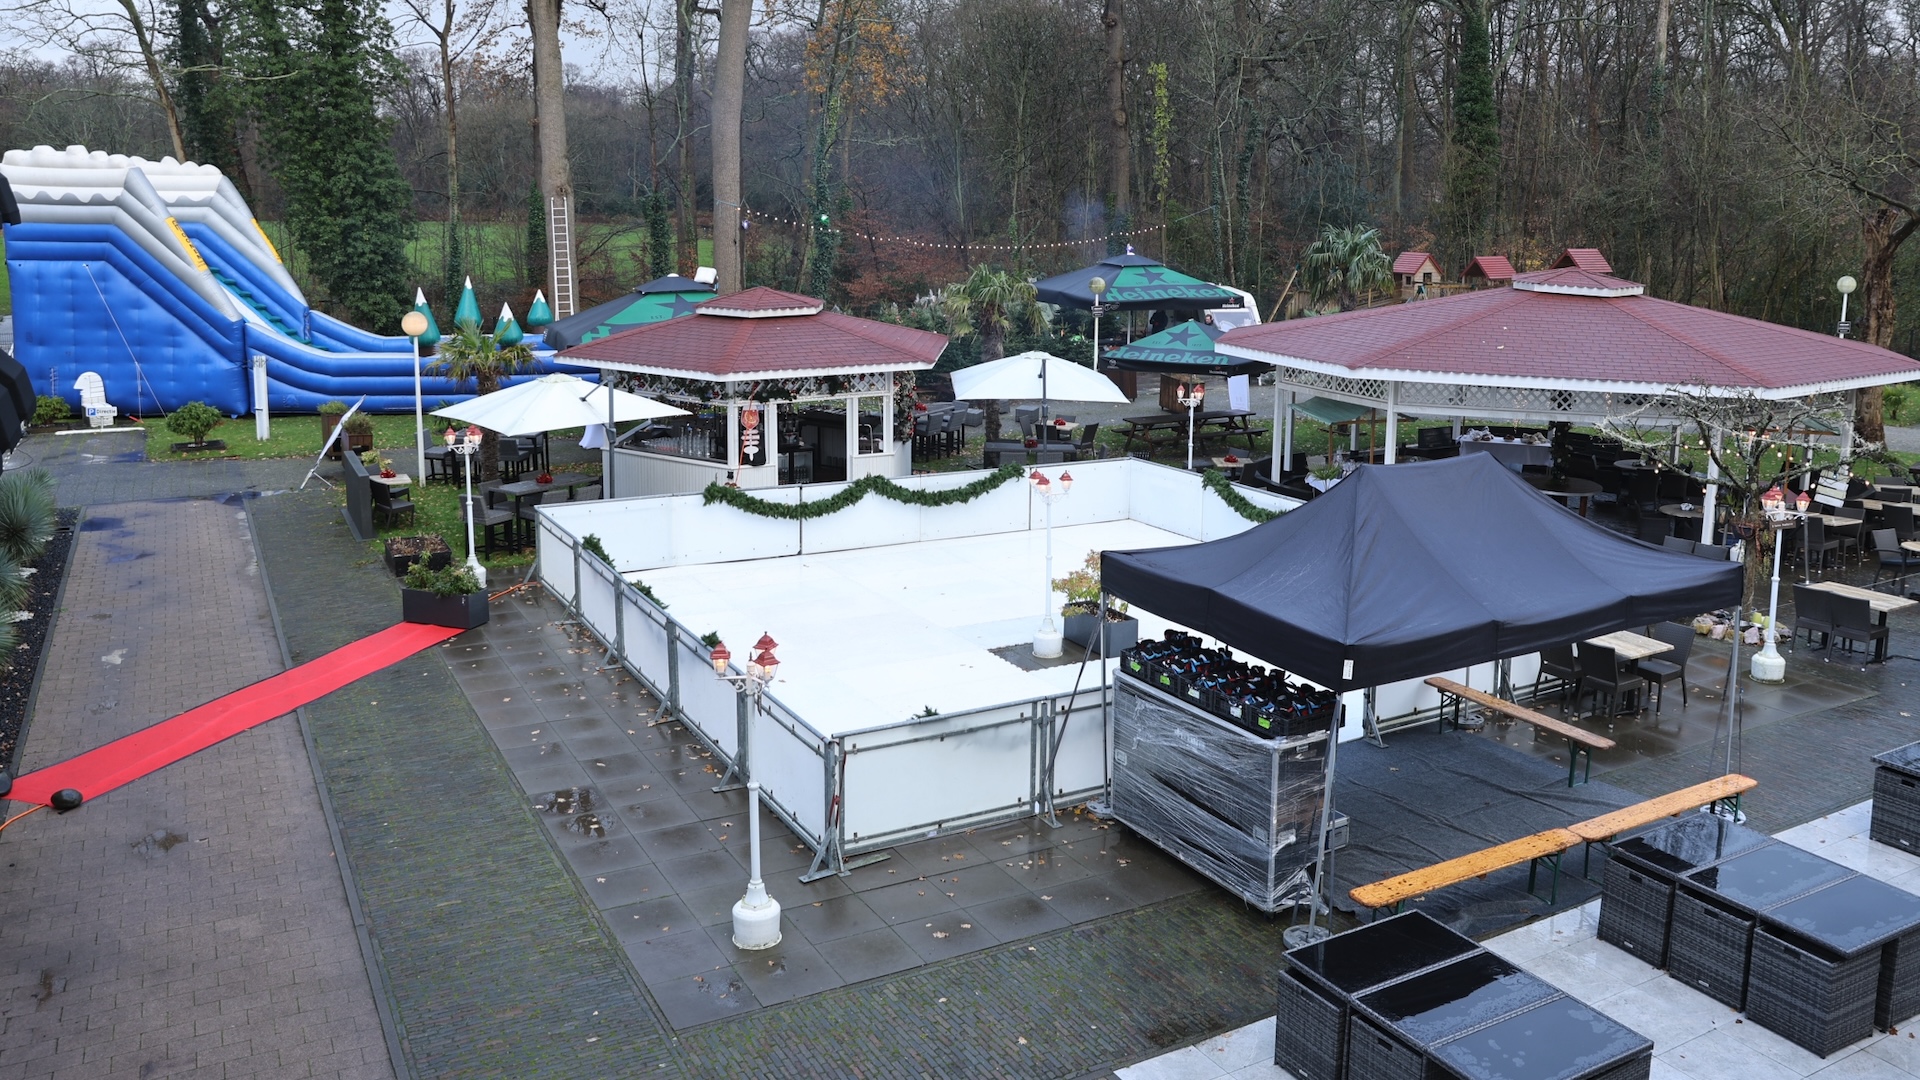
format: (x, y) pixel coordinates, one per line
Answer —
(1491, 267)
(760, 300)
(1410, 262)
(720, 346)
(1532, 334)
(1585, 259)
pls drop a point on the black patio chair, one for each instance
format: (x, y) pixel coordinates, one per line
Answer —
(390, 504)
(1853, 622)
(1085, 447)
(1654, 528)
(1889, 556)
(1817, 543)
(487, 523)
(1668, 667)
(1811, 615)
(1677, 543)
(1899, 518)
(1603, 672)
(1558, 662)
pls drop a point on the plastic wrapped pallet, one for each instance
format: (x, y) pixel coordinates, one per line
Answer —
(1243, 810)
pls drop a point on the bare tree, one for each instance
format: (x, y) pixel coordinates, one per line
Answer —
(124, 33)
(729, 102)
(456, 36)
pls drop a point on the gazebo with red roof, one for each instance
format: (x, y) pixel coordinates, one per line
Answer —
(756, 363)
(1572, 344)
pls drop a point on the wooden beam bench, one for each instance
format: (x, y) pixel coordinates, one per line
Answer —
(1580, 742)
(1540, 847)
(1725, 790)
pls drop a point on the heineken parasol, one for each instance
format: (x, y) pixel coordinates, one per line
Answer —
(1187, 347)
(656, 301)
(1134, 283)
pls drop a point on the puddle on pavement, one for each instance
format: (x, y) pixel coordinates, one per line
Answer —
(158, 842)
(587, 825)
(576, 800)
(228, 498)
(129, 556)
(102, 524)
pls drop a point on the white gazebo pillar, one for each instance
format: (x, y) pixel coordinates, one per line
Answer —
(1283, 422)
(1393, 421)
(1709, 507)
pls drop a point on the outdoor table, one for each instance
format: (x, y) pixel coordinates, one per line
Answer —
(1166, 428)
(1684, 511)
(1715, 908)
(1572, 487)
(1896, 797)
(1635, 465)
(1228, 465)
(1393, 1028)
(1630, 646)
(1636, 896)
(1834, 963)
(1513, 453)
(1882, 603)
(519, 490)
(1559, 1039)
(1910, 546)
(396, 481)
(1317, 989)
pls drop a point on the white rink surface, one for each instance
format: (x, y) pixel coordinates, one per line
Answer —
(1694, 1037)
(873, 636)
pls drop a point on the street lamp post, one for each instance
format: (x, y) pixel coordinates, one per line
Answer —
(1047, 642)
(1768, 665)
(1846, 285)
(756, 916)
(1191, 398)
(413, 324)
(466, 444)
(1098, 287)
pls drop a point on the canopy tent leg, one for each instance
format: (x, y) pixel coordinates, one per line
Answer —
(1370, 720)
(1322, 897)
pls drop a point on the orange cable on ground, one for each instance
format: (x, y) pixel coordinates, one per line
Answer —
(126, 759)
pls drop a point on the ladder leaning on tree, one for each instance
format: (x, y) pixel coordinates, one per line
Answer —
(560, 254)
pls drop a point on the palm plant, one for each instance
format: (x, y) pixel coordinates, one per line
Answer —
(27, 516)
(990, 304)
(1345, 262)
(468, 356)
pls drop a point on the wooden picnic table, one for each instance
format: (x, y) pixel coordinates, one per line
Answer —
(1168, 428)
(1630, 646)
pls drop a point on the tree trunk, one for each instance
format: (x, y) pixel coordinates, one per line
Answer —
(686, 231)
(1883, 231)
(155, 75)
(1119, 144)
(455, 269)
(729, 100)
(1406, 102)
(549, 98)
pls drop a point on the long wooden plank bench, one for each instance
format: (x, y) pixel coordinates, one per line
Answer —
(1724, 790)
(1580, 742)
(1540, 847)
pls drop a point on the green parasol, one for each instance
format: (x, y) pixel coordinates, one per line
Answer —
(1183, 348)
(656, 301)
(1134, 283)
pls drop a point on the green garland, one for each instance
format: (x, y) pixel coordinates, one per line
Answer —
(1216, 482)
(859, 489)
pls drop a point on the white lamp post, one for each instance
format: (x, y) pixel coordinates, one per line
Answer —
(1098, 287)
(1768, 665)
(1191, 398)
(466, 444)
(756, 916)
(1846, 285)
(413, 324)
(1047, 642)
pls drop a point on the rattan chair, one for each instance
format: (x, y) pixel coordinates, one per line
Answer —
(1670, 666)
(1853, 621)
(1811, 615)
(1602, 672)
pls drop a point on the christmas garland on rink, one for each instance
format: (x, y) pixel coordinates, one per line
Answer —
(860, 489)
(1216, 482)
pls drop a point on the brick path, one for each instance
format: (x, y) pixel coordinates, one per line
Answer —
(193, 923)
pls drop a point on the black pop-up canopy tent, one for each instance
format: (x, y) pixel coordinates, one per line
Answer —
(1401, 571)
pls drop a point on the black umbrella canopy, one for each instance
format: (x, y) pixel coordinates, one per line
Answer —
(1135, 283)
(1404, 571)
(659, 299)
(1178, 349)
(16, 401)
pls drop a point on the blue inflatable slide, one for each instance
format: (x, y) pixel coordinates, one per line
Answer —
(156, 276)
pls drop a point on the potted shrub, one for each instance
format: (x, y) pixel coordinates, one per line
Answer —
(359, 437)
(450, 596)
(330, 414)
(1080, 614)
(1326, 475)
(404, 551)
(194, 420)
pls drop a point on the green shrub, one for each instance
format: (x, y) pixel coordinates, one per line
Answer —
(359, 424)
(453, 580)
(13, 587)
(194, 420)
(26, 514)
(332, 408)
(48, 409)
(1894, 401)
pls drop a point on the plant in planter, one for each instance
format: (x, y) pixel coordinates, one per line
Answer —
(449, 596)
(194, 420)
(359, 432)
(404, 551)
(49, 410)
(1080, 614)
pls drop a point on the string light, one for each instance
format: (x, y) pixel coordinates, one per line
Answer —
(936, 246)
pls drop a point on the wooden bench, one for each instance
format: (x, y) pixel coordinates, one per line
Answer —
(1580, 742)
(1716, 792)
(1542, 846)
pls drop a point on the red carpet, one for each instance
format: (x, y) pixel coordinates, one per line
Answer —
(123, 760)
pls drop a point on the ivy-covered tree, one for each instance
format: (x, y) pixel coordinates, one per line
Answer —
(209, 104)
(1471, 164)
(317, 74)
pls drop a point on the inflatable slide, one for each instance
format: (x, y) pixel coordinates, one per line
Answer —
(156, 275)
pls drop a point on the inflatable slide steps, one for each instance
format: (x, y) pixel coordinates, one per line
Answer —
(246, 297)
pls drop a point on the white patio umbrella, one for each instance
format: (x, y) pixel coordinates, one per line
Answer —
(552, 402)
(1044, 376)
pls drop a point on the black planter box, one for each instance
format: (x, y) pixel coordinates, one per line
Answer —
(461, 612)
(401, 563)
